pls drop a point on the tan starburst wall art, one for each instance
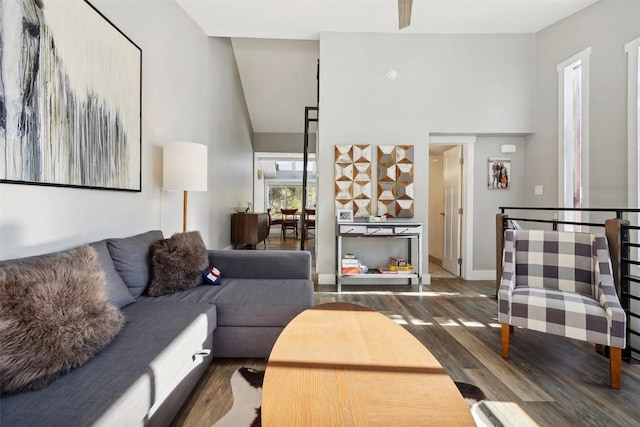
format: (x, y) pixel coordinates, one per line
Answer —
(395, 181)
(353, 179)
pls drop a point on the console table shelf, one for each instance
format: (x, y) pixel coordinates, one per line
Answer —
(386, 230)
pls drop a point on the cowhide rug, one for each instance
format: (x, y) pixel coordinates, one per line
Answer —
(246, 386)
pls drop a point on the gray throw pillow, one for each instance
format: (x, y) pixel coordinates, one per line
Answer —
(55, 315)
(132, 259)
(177, 263)
(118, 292)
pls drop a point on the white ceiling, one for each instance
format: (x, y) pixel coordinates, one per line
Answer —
(276, 47)
(305, 19)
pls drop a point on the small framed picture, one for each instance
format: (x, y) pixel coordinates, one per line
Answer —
(499, 173)
(344, 215)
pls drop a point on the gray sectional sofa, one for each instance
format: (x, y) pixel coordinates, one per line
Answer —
(145, 374)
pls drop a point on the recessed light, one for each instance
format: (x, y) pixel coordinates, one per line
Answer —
(392, 74)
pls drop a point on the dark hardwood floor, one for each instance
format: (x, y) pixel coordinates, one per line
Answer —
(548, 381)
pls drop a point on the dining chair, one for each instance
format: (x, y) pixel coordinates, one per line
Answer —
(273, 221)
(289, 222)
(561, 283)
(309, 222)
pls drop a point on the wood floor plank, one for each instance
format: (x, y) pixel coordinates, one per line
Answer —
(520, 384)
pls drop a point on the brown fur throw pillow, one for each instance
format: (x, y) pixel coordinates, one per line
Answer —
(55, 315)
(177, 263)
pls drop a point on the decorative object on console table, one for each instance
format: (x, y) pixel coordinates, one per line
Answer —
(353, 178)
(73, 120)
(395, 181)
(184, 169)
(406, 269)
(249, 229)
(350, 266)
(344, 215)
(397, 261)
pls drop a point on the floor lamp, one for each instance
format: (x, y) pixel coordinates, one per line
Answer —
(184, 169)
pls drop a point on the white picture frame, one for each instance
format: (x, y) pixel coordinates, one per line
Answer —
(344, 215)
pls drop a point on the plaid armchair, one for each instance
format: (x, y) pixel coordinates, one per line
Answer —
(561, 283)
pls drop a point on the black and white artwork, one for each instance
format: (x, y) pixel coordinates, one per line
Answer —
(70, 98)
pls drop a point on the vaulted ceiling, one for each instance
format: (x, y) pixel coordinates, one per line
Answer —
(276, 41)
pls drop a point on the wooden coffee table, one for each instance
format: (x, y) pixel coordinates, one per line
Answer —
(342, 364)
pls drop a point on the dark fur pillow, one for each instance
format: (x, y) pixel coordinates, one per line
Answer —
(177, 263)
(55, 315)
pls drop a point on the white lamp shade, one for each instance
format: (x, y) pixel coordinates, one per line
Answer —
(184, 167)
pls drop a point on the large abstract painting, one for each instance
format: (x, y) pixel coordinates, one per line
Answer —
(353, 179)
(70, 99)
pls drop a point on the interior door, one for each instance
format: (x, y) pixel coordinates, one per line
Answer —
(452, 171)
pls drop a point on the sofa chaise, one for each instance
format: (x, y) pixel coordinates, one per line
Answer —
(144, 375)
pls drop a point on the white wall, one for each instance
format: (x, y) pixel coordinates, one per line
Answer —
(446, 83)
(190, 91)
(487, 201)
(605, 26)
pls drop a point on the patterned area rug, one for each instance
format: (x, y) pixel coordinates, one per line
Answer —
(246, 386)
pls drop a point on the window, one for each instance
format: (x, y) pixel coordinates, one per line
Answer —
(633, 143)
(289, 196)
(633, 128)
(573, 136)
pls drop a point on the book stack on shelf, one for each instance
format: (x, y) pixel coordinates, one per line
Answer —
(350, 264)
(396, 266)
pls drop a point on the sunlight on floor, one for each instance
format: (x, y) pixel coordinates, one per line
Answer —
(471, 323)
(445, 322)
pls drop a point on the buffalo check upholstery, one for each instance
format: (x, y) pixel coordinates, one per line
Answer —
(560, 283)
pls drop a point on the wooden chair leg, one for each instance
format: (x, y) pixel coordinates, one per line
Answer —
(615, 365)
(506, 329)
(600, 348)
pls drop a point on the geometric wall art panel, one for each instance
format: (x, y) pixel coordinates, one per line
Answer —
(344, 172)
(387, 208)
(344, 190)
(362, 207)
(353, 179)
(395, 181)
(386, 191)
(361, 190)
(347, 204)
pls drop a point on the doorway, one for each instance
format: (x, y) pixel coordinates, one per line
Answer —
(444, 224)
(465, 196)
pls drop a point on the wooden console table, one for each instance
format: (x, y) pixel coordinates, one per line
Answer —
(342, 364)
(249, 229)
